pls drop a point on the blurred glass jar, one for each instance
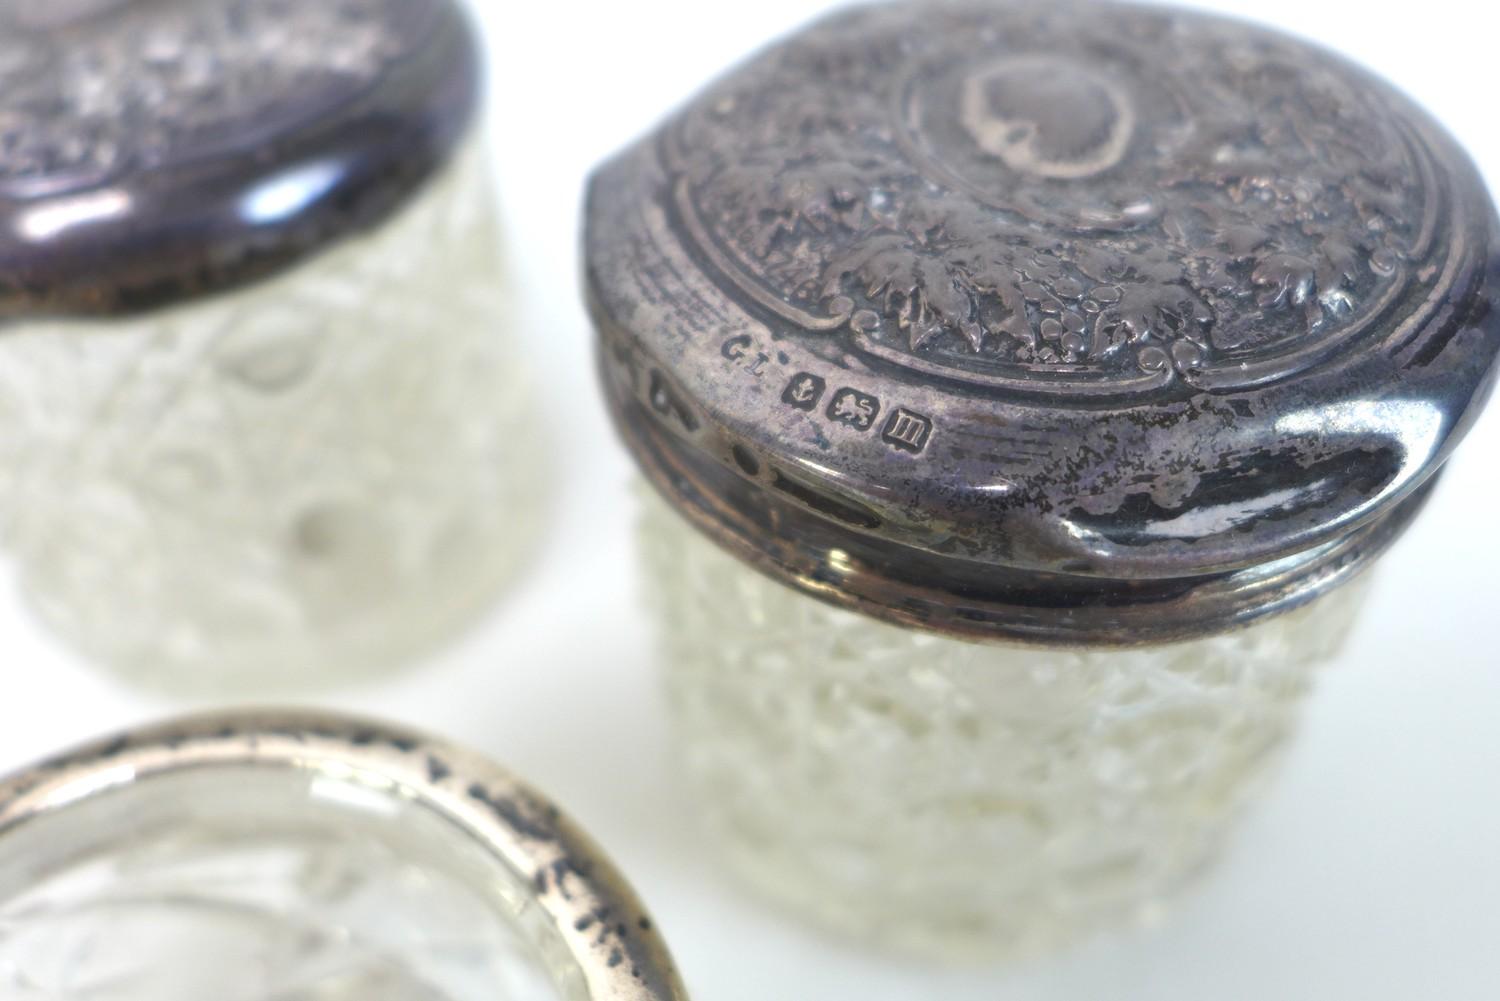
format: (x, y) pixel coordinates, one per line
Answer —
(291, 855)
(1059, 367)
(258, 419)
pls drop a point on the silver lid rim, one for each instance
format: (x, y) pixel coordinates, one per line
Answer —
(812, 541)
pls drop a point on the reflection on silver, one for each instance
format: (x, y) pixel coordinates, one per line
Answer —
(45, 222)
(290, 192)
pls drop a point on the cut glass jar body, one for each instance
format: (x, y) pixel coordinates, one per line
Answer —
(322, 472)
(962, 799)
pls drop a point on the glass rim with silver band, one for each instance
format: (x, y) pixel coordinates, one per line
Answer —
(586, 903)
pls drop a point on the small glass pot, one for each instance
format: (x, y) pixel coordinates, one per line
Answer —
(1028, 388)
(257, 424)
(298, 855)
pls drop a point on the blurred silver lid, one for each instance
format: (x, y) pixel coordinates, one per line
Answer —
(155, 150)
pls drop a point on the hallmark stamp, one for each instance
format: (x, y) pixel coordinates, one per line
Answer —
(742, 351)
(854, 409)
(907, 430)
(804, 392)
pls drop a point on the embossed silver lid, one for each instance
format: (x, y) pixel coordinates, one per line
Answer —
(153, 150)
(1059, 321)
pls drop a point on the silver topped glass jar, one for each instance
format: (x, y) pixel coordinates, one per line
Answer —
(1060, 367)
(255, 412)
(293, 855)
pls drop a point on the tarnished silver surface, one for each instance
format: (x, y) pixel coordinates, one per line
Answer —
(602, 925)
(155, 149)
(1071, 322)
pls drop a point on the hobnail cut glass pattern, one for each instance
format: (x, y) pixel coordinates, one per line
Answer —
(956, 799)
(264, 888)
(322, 472)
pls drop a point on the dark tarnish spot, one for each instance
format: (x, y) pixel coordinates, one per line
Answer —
(114, 747)
(667, 401)
(584, 871)
(746, 460)
(437, 770)
(512, 814)
(600, 917)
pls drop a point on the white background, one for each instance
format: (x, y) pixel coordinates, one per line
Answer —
(1372, 873)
